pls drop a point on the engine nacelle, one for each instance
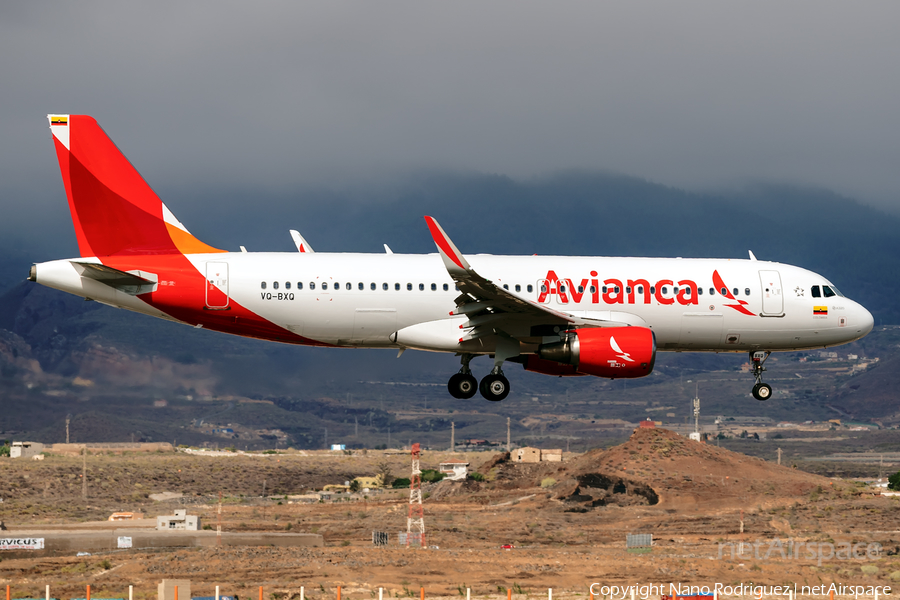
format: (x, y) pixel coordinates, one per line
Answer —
(613, 352)
(549, 367)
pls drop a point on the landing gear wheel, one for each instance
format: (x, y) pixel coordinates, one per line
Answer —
(762, 391)
(494, 387)
(462, 385)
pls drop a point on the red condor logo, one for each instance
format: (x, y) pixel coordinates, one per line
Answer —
(631, 291)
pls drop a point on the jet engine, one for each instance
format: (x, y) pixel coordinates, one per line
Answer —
(612, 352)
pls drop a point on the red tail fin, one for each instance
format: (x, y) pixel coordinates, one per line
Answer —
(113, 209)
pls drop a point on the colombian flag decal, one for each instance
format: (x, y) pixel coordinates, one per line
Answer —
(59, 120)
(820, 311)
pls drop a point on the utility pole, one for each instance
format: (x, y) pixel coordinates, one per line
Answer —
(508, 446)
(356, 427)
(452, 436)
(326, 438)
(68, 419)
(389, 437)
(779, 456)
(219, 522)
(84, 472)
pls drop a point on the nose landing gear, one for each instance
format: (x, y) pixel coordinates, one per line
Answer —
(761, 391)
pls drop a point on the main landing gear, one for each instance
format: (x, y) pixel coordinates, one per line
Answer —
(463, 384)
(761, 391)
(494, 386)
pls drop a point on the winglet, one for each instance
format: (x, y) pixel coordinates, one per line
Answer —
(302, 245)
(752, 256)
(453, 259)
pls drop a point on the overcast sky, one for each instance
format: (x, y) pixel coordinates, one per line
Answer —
(692, 94)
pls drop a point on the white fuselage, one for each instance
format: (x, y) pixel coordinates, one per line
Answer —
(329, 298)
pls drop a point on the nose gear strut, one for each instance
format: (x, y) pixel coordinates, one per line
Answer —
(761, 391)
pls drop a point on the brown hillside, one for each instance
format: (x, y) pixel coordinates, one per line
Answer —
(661, 468)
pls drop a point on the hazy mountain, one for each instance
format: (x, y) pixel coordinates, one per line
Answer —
(132, 360)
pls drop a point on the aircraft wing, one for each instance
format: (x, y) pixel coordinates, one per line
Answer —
(491, 307)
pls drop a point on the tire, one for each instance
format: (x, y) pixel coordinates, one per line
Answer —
(462, 386)
(762, 391)
(494, 387)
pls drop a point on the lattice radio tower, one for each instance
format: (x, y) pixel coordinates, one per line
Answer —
(415, 520)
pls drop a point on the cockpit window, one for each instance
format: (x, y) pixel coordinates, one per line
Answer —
(827, 291)
(814, 292)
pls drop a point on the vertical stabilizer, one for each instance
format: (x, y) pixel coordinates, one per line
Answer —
(115, 212)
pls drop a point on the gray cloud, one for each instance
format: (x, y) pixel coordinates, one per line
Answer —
(694, 94)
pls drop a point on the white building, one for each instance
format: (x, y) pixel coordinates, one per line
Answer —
(180, 521)
(454, 470)
(25, 449)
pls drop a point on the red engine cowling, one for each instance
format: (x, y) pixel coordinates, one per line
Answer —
(550, 367)
(613, 352)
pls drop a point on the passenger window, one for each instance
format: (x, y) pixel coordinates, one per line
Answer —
(712, 291)
(299, 285)
(446, 288)
(562, 289)
(652, 289)
(384, 286)
(827, 291)
(627, 289)
(506, 286)
(640, 289)
(409, 287)
(518, 288)
(362, 286)
(604, 289)
(664, 290)
(617, 289)
(674, 290)
(529, 288)
(274, 285)
(433, 287)
(312, 285)
(735, 292)
(262, 285)
(349, 286)
(593, 290)
(580, 289)
(699, 291)
(287, 285)
(397, 287)
(372, 286)
(337, 286)
(543, 289)
(815, 291)
(746, 291)
(457, 287)
(724, 291)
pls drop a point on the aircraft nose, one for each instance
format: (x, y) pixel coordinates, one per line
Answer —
(864, 321)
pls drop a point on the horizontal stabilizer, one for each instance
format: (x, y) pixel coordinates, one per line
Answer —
(128, 283)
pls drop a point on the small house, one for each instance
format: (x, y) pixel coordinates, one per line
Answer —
(180, 521)
(454, 470)
(25, 449)
(527, 455)
(554, 455)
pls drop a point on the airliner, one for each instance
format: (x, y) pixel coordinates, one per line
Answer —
(554, 315)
